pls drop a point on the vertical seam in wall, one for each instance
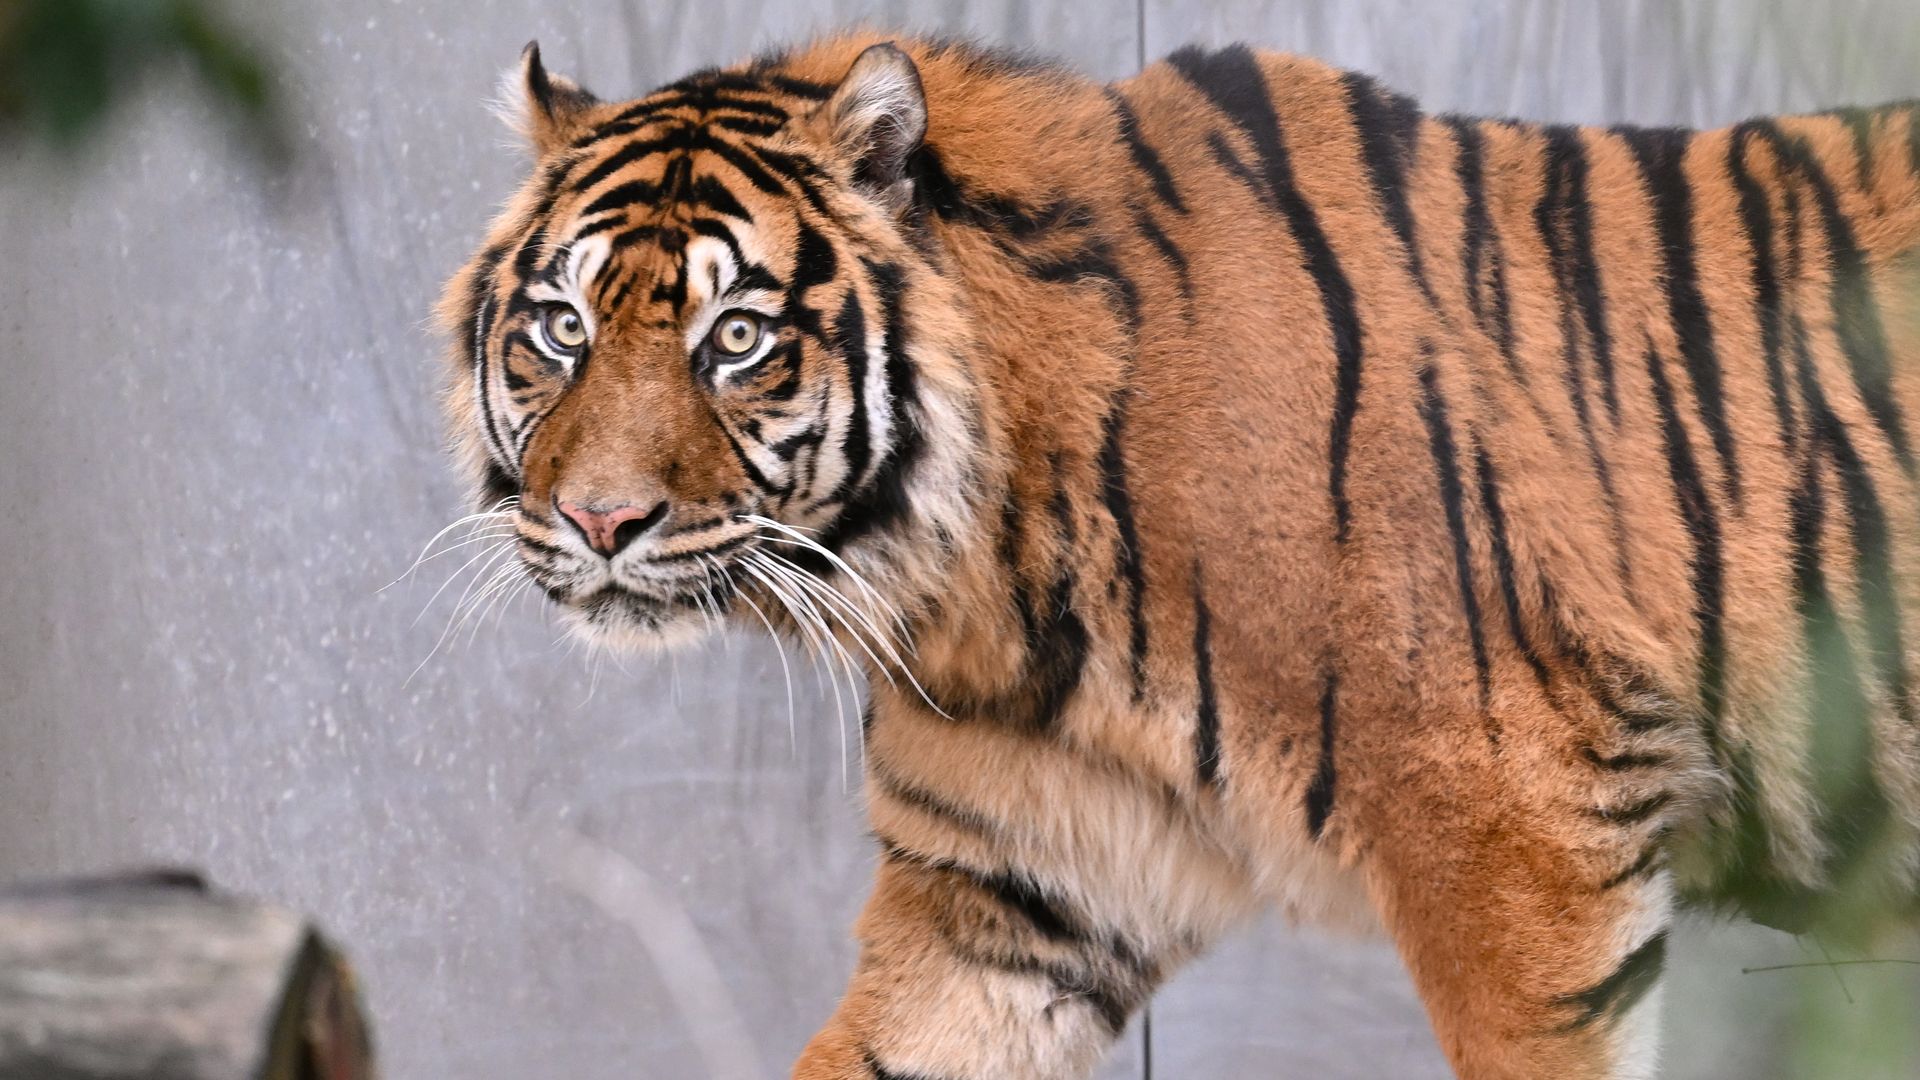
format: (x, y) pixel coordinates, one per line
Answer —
(1146, 1042)
(1139, 35)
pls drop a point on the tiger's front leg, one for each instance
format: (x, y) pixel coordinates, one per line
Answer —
(1027, 902)
(967, 974)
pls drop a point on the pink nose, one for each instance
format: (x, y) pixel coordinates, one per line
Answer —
(608, 531)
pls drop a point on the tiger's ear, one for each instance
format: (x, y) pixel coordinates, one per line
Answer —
(876, 119)
(545, 109)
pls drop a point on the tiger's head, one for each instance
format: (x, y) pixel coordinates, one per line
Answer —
(701, 354)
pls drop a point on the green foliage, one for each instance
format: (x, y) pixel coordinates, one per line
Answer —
(64, 65)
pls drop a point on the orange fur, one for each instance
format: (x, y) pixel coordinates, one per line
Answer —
(1290, 498)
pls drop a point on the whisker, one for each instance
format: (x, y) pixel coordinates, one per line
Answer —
(504, 548)
(499, 511)
(507, 580)
(492, 532)
(817, 633)
(828, 591)
(786, 671)
(801, 540)
(848, 664)
(504, 545)
(834, 605)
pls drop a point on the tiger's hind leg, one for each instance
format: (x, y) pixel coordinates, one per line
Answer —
(1536, 938)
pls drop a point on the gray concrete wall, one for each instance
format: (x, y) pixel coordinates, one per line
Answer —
(220, 442)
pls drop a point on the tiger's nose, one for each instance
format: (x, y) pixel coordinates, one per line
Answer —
(608, 531)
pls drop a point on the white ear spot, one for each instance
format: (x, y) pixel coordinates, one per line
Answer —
(877, 119)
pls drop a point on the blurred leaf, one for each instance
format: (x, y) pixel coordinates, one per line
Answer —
(65, 64)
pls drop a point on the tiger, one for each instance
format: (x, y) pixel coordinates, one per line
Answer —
(1241, 490)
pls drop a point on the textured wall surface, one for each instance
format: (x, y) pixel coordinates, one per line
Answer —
(221, 441)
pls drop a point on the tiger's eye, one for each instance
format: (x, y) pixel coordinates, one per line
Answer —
(564, 328)
(736, 333)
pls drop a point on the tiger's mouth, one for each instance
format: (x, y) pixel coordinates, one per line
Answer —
(620, 616)
(654, 601)
(753, 572)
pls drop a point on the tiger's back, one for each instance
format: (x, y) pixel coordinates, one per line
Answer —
(1293, 498)
(1616, 443)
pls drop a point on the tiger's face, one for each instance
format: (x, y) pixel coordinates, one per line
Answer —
(680, 365)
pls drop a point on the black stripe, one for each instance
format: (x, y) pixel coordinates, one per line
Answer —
(1756, 218)
(526, 260)
(1095, 263)
(850, 339)
(1228, 159)
(637, 150)
(719, 230)
(1566, 220)
(1646, 864)
(1633, 813)
(1169, 251)
(1853, 809)
(802, 172)
(745, 164)
(621, 196)
(784, 358)
(539, 548)
(1661, 153)
(677, 178)
(620, 294)
(1703, 533)
(1389, 128)
(1482, 262)
(952, 199)
(787, 448)
(758, 478)
(672, 291)
(1320, 790)
(1504, 566)
(594, 228)
(669, 237)
(742, 125)
(793, 86)
(1621, 762)
(883, 501)
(496, 484)
(1563, 216)
(709, 192)
(482, 334)
(1446, 467)
(1873, 556)
(1614, 995)
(1206, 728)
(691, 554)
(682, 141)
(1231, 79)
(697, 99)
(1056, 646)
(1859, 124)
(966, 819)
(1144, 156)
(1856, 317)
(1128, 555)
(1047, 915)
(814, 263)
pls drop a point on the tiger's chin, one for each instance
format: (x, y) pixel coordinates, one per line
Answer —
(619, 620)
